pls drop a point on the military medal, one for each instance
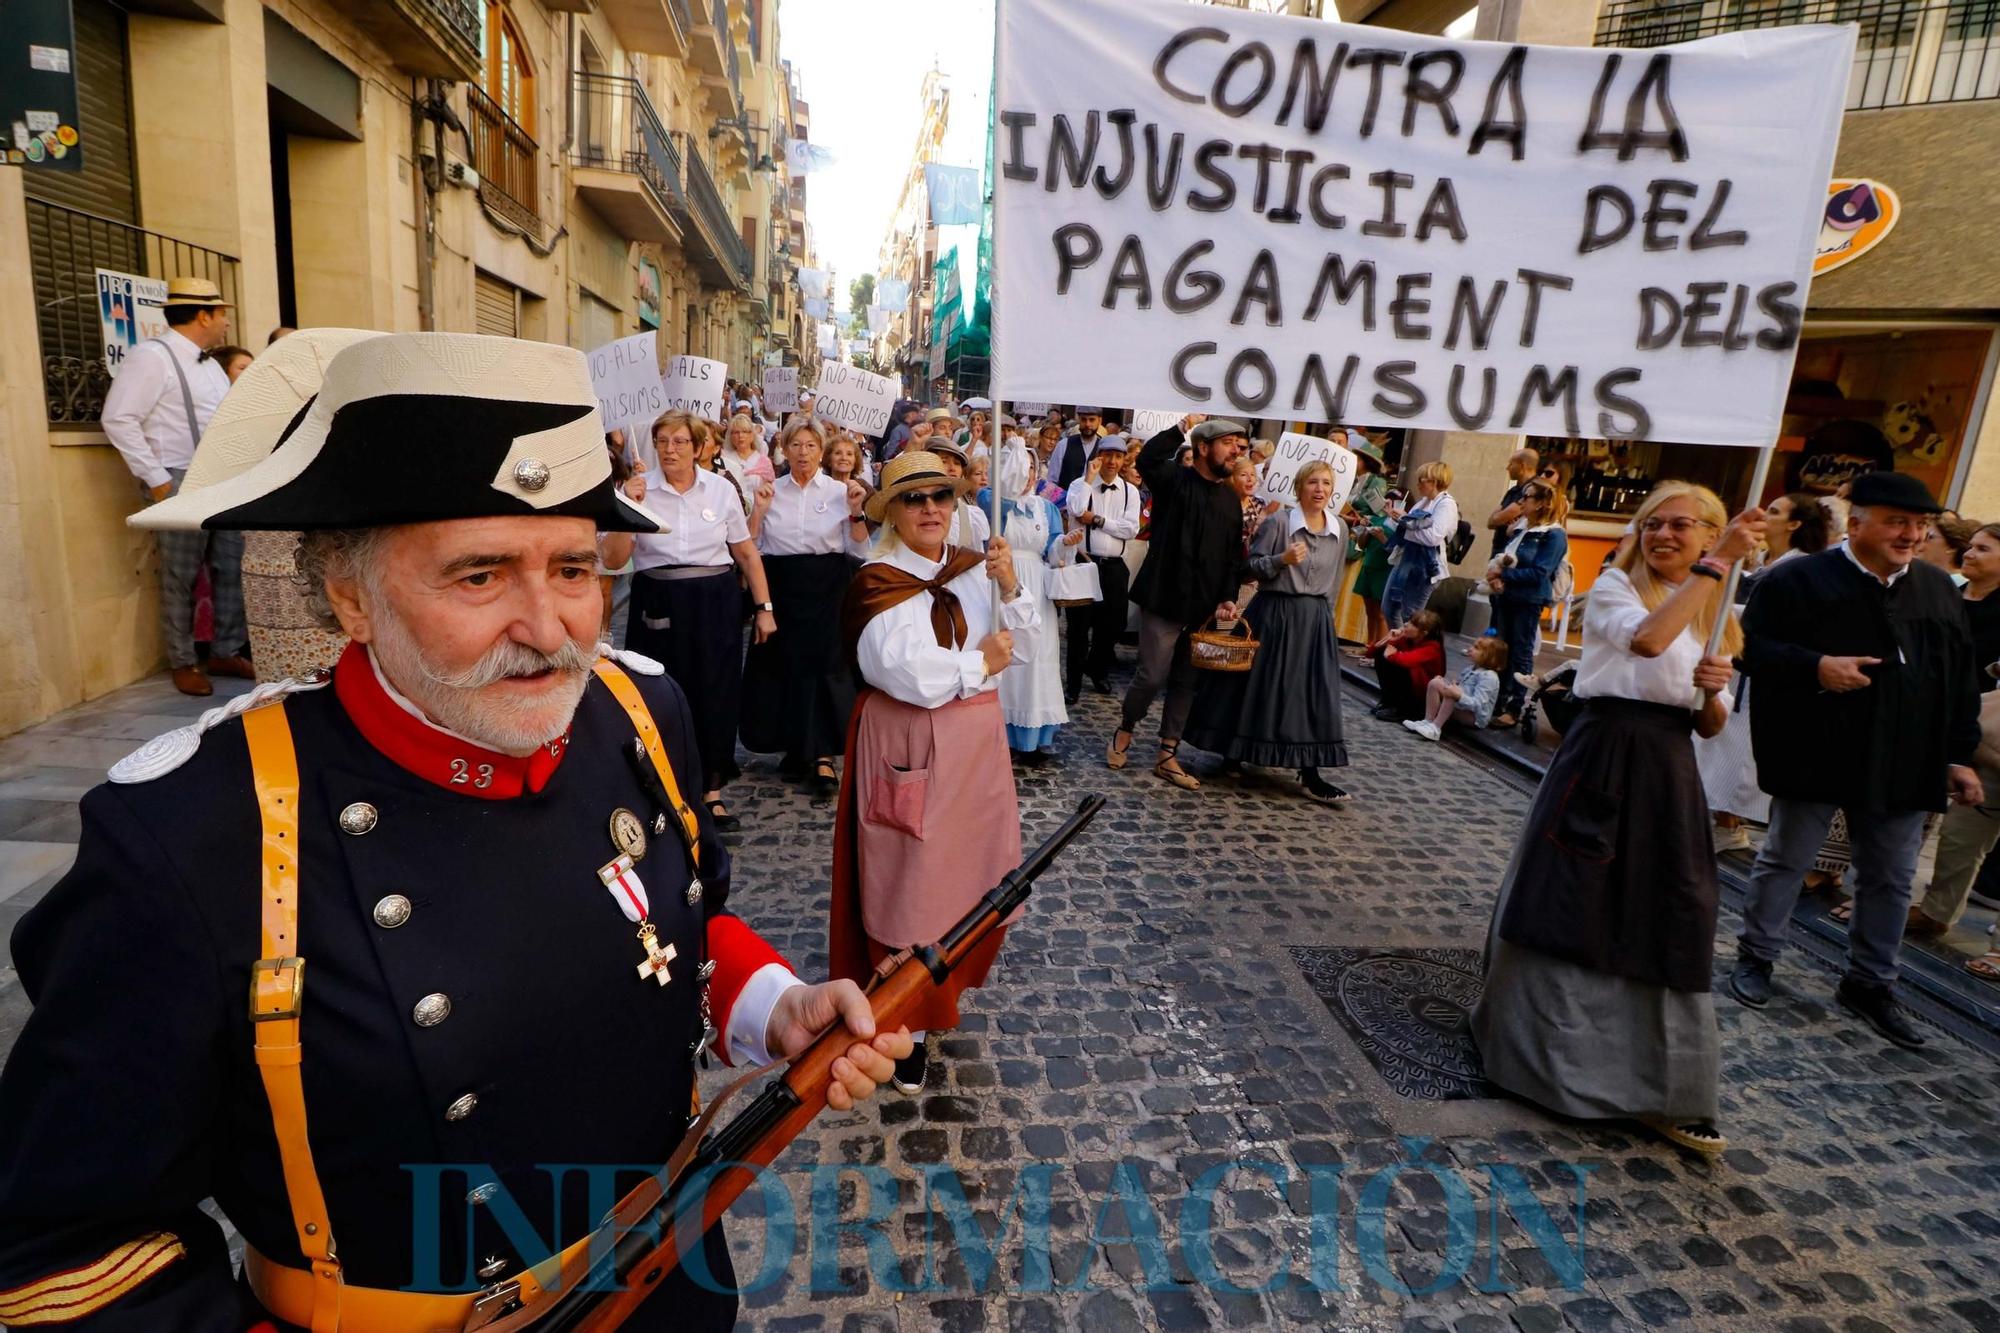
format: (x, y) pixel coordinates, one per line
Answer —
(630, 894)
(628, 833)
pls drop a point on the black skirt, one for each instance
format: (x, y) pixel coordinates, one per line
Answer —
(1615, 870)
(1284, 712)
(694, 627)
(796, 688)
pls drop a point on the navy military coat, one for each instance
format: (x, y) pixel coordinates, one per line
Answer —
(471, 1001)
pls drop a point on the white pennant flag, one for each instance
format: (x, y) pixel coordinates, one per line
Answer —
(813, 282)
(804, 158)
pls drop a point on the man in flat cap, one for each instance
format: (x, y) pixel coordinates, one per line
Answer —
(1066, 464)
(474, 828)
(1189, 576)
(166, 391)
(1865, 702)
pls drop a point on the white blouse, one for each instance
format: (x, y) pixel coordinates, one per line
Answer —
(899, 650)
(806, 520)
(970, 527)
(1610, 669)
(702, 524)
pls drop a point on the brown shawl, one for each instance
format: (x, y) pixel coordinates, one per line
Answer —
(881, 585)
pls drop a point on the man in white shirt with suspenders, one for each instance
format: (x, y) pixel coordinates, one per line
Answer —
(158, 406)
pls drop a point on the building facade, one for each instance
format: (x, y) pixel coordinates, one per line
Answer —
(549, 169)
(909, 251)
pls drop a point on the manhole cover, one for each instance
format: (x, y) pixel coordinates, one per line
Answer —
(1408, 1010)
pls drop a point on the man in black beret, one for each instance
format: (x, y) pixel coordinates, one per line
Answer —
(1864, 701)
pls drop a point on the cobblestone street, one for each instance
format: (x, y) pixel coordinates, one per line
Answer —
(1154, 1018)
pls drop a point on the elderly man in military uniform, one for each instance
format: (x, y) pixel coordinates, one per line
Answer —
(408, 966)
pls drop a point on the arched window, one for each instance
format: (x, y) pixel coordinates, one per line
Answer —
(509, 77)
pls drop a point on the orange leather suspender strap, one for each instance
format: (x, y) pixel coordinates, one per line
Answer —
(627, 694)
(277, 985)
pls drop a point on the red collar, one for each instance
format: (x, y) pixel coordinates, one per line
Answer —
(430, 752)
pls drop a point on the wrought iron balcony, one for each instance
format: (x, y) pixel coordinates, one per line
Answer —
(508, 162)
(655, 27)
(710, 235)
(440, 38)
(66, 247)
(626, 165)
(1908, 53)
(710, 37)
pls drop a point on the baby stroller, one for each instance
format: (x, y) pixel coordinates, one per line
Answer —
(1551, 694)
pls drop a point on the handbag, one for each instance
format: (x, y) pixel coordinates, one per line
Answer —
(1074, 582)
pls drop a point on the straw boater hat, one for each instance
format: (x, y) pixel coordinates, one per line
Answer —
(937, 414)
(919, 471)
(196, 292)
(415, 428)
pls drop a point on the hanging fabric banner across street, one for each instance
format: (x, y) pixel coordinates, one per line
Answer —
(1294, 452)
(1266, 215)
(813, 282)
(694, 384)
(824, 340)
(781, 389)
(625, 376)
(804, 157)
(955, 194)
(880, 319)
(853, 398)
(892, 293)
(819, 307)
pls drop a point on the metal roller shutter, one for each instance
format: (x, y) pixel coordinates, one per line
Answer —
(104, 186)
(496, 307)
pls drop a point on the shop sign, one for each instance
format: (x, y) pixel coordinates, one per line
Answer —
(131, 309)
(1859, 213)
(649, 293)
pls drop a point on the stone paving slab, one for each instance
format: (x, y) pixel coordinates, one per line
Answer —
(1146, 1028)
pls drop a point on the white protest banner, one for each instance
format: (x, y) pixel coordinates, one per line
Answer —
(1265, 215)
(892, 293)
(625, 376)
(856, 399)
(880, 319)
(814, 283)
(1146, 423)
(1294, 452)
(1028, 410)
(781, 389)
(694, 384)
(937, 359)
(131, 309)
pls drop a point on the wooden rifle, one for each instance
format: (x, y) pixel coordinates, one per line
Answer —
(645, 1236)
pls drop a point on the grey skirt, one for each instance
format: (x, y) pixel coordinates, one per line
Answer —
(1589, 1044)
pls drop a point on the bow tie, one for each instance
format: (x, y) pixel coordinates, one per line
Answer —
(1107, 486)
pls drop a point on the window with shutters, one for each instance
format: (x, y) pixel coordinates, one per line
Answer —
(509, 76)
(496, 306)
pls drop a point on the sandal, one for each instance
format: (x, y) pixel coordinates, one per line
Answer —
(1177, 775)
(719, 813)
(1841, 912)
(1114, 754)
(1694, 1135)
(1986, 968)
(825, 780)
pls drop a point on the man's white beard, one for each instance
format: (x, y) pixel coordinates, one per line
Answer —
(456, 702)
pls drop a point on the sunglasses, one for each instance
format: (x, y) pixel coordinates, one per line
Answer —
(918, 499)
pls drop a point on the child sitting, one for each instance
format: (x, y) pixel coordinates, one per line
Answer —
(1469, 702)
(1406, 663)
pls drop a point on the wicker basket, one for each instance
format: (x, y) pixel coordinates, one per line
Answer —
(1222, 650)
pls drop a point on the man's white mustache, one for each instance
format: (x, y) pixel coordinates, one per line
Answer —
(509, 659)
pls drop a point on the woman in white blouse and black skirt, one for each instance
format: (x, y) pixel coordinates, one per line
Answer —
(928, 820)
(1597, 1001)
(796, 689)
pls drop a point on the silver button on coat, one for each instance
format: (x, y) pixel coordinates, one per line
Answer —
(463, 1107)
(392, 911)
(432, 1010)
(358, 818)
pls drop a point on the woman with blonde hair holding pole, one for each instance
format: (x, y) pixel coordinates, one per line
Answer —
(1597, 1001)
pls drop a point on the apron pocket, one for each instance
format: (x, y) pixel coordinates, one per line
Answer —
(896, 799)
(1586, 823)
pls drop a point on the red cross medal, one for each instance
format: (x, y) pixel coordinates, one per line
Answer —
(630, 894)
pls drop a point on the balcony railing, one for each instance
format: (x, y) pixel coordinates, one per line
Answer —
(1908, 53)
(507, 160)
(66, 248)
(682, 15)
(730, 58)
(618, 130)
(435, 37)
(704, 202)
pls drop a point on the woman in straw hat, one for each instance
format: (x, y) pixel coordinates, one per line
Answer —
(928, 820)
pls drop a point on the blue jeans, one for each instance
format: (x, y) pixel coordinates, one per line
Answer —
(1519, 623)
(1885, 846)
(1409, 584)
